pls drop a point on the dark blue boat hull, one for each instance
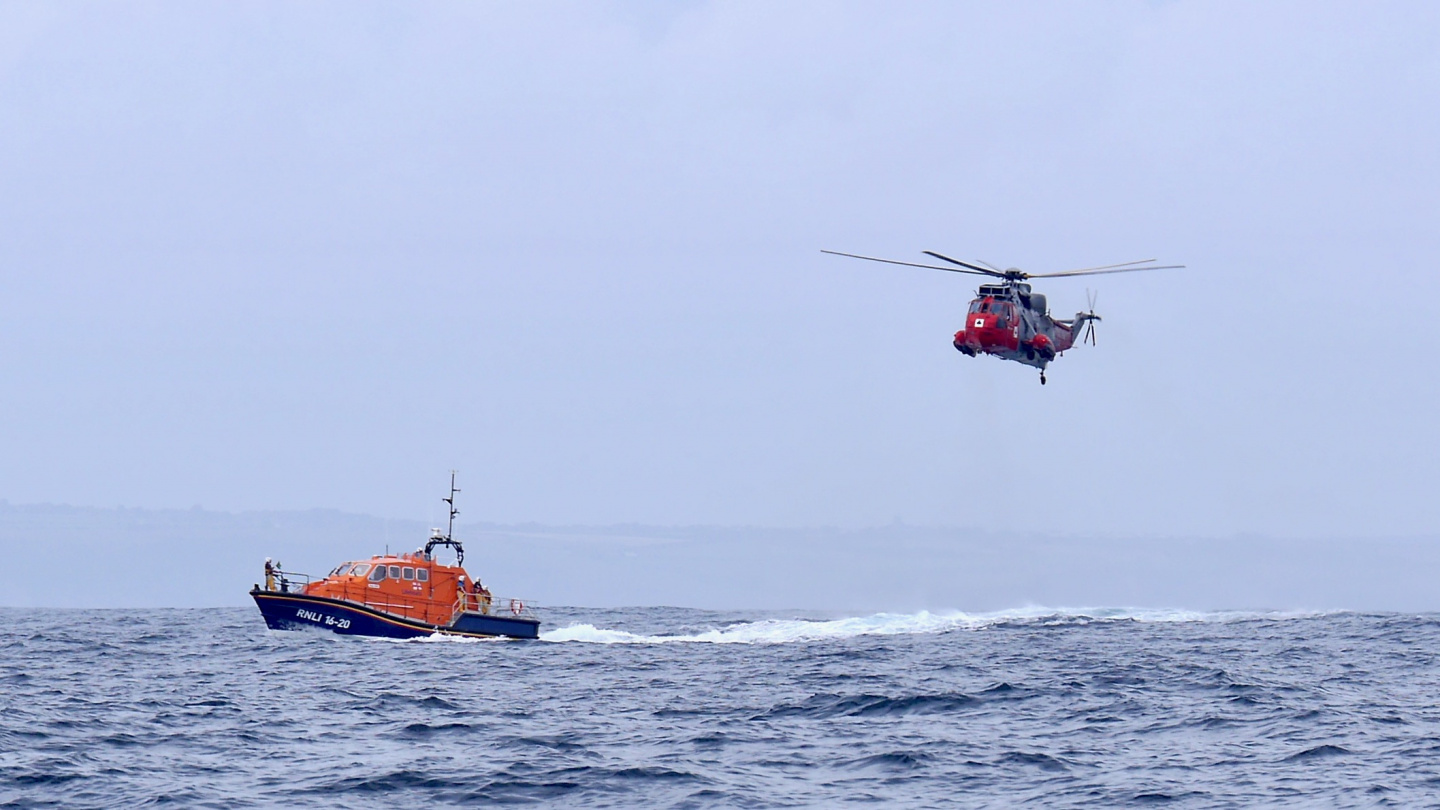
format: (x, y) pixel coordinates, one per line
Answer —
(296, 611)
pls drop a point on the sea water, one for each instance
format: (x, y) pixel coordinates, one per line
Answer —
(661, 707)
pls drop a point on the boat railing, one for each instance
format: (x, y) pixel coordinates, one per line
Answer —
(501, 606)
(400, 604)
(286, 581)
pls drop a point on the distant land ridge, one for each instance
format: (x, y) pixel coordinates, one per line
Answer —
(127, 557)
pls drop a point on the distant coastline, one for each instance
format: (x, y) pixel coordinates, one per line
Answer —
(128, 557)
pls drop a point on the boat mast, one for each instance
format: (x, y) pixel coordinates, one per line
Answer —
(450, 527)
(447, 539)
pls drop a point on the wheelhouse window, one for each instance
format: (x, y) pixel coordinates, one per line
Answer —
(394, 572)
(422, 574)
(378, 574)
(407, 573)
(359, 570)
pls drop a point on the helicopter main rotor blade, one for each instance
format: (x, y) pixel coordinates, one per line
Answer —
(1105, 272)
(1108, 266)
(910, 264)
(975, 268)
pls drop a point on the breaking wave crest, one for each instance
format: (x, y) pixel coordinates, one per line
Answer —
(782, 631)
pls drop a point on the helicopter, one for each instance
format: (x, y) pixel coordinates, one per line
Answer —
(1009, 320)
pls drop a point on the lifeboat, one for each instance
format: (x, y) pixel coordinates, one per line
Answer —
(395, 596)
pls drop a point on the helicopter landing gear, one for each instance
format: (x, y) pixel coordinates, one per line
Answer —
(1042, 378)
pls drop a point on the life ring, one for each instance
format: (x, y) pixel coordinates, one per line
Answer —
(517, 607)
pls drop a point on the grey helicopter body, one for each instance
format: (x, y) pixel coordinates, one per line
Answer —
(1012, 322)
(1009, 320)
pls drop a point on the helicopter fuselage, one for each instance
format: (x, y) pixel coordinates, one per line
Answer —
(1011, 322)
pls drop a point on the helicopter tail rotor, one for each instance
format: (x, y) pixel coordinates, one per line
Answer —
(1090, 318)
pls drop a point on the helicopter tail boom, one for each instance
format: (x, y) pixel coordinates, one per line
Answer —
(1071, 330)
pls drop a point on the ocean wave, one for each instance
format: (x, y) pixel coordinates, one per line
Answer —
(782, 631)
(1063, 707)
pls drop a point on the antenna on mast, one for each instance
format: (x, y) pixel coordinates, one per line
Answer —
(447, 539)
(450, 527)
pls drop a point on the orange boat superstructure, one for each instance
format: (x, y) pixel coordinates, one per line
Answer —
(412, 586)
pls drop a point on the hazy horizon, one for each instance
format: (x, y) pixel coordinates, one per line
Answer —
(127, 557)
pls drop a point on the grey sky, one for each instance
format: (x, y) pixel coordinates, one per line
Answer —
(273, 255)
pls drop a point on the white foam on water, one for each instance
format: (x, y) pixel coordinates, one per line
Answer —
(782, 631)
(775, 631)
(446, 638)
